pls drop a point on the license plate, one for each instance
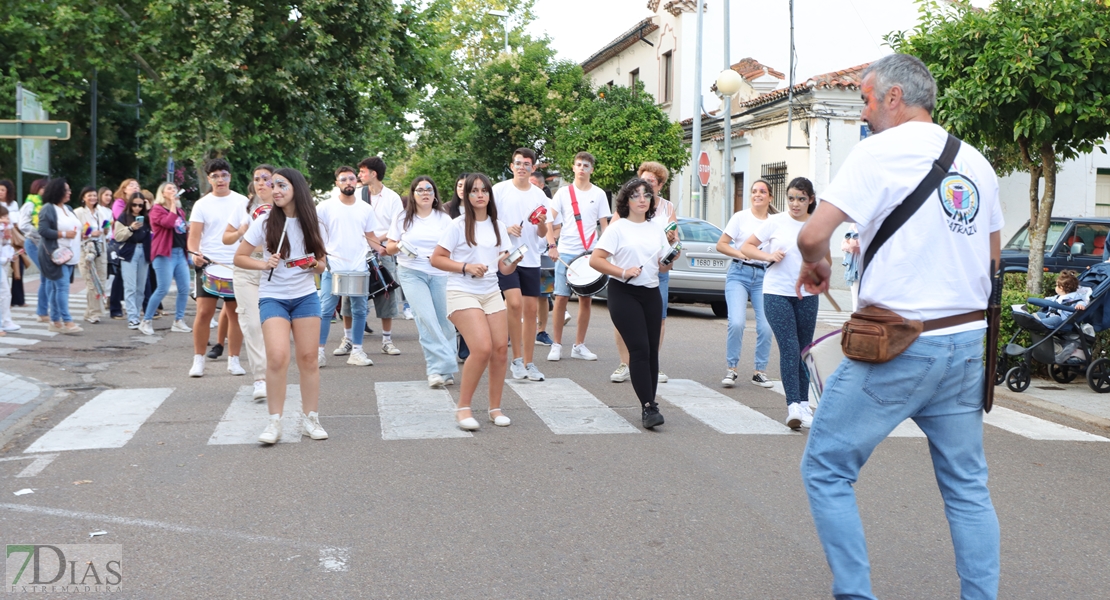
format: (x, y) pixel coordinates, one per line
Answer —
(714, 263)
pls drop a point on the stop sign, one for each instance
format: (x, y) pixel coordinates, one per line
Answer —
(703, 168)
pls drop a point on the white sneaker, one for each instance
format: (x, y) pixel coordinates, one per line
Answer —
(321, 360)
(213, 324)
(566, 317)
(556, 352)
(408, 313)
(807, 414)
(344, 347)
(389, 348)
(234, 367)
(310, 426)
(198, 366)
(273, 431)
(662, 377)
(179, 326)
(436, 381)
(146, 328)
(620, 375)
(730, 378)
(450, 380)
(518, 369)
(10, 326)
(259, 390)
(581, 352)
(762, 380)
(533, 373)
(358, 358)
(794, 416)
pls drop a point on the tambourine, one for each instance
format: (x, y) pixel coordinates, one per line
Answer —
(408, 249)
(516, 255)
(534, 218)
(300, 261)
(673, 254)
(261, 210)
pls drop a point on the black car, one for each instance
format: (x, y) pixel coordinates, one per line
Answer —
(1072, 243)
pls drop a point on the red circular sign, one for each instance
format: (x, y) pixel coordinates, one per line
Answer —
(703, 168)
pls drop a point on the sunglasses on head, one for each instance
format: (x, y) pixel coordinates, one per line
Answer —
(137, 205)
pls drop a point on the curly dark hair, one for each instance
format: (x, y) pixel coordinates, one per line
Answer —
(626, 192)
(805, 186)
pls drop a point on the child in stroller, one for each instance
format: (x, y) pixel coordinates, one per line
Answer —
(1068, 293)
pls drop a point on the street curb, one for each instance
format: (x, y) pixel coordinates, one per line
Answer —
(1079, 415)
(45, 401)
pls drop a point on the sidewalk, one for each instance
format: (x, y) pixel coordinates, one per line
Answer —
(1076, 400)
(19, 397)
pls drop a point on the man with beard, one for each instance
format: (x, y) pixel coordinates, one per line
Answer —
(350, 226)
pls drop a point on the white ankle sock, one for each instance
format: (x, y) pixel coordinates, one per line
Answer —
(347, 333)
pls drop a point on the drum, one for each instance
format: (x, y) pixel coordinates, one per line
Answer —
(300, 261)
(534, 218)
(583, 279)
(673, 254)
(408, 249)
(381, 281)
(516, 254)
(218, 281)
(821, 358)
(261, 210)
(350, 283)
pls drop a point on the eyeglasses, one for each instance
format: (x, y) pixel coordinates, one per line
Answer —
(424, 190)
(644, 196)
(138, 206)
(219, 176)
(350, 179)
(522, 163)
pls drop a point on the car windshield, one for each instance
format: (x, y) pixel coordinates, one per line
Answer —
(698, 231)
(1020, 241)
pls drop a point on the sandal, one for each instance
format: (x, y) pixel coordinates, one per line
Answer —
(469, 423)
(500, 420)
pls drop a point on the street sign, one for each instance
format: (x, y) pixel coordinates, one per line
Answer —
(36, 152)
(40, 130)
(703, 168)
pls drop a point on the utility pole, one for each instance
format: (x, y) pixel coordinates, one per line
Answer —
(726, 162)
(695, 184)
(19, 144)
(92, 130)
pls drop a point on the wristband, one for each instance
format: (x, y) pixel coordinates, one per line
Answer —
(464, 269)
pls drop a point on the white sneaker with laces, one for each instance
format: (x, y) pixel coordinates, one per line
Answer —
(198, 366)
(450, 380)
(762, 380)
(358, 358)
(259, 389)
(234, 367)
(272, 433)
(794, 416)
(213, 324)
(517, 368)
(806, 413)
(730, 378)
(344, 347)
(555, 353)
(662, 377)
(321, 359)
(146, 328)
(179, 326)
(620, 375)
(408, 313)
(566, 317)
(389, 348)
(436, 381)
(581, 352)
(11, 326)
(533, 373)
(310, 426)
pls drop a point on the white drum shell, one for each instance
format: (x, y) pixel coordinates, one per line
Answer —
(583, 279)
(350, 283)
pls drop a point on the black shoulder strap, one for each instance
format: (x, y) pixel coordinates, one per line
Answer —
(366, 194)
(909, 206)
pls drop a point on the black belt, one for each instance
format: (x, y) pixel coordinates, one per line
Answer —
(753, 265)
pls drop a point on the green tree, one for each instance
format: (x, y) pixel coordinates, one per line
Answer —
(1024, 78)
(621, 128)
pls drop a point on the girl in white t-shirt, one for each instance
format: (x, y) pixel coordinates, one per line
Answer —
(287, 295)
(793, 319)
(470, 249)
(636, 243)
(420, 227)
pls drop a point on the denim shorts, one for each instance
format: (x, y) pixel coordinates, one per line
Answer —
(294, 308)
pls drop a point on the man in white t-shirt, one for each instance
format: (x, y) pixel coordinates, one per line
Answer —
(387, 205)
(350, 225)
(576, 210)
(207, 223)
(516, 200)
(936, 269)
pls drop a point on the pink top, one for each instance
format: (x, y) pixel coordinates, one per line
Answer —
(162, 223)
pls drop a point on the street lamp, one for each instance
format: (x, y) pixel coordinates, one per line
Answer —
(728, 83)
(504, 16)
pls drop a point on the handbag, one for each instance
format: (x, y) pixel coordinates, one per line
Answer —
(877, 335)
(62, 255)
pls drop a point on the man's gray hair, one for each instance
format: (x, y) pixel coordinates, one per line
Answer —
(907, 72)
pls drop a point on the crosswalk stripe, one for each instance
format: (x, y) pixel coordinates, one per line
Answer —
(718, 410)
(35, 332)
(410, 410)
(109, 420)
(906, 428)
(17, 341)
(567, 408)
(245, 418)
(1036, 428)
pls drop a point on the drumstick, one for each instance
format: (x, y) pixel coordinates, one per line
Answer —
(280, 242)
(206, 259)
(833, 302)
(633, 277)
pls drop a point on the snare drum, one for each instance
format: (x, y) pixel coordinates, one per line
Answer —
(583, 279)
(408, 249)
(381, 280)
(673, 254)
(261, 210)
(350, 283)
(218, 281)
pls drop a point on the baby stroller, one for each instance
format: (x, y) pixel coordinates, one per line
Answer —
(1057, 347)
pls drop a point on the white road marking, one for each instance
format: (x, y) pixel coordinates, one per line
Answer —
(38, 463)
(718, 410)
(906, 428)
(34, 331)
(17, 341)
(109, 420)
(1036, 428)
(410, 410)
(567, 408)
(335, 560)
(246, 418)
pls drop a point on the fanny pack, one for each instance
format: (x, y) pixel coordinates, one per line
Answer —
(877, 335)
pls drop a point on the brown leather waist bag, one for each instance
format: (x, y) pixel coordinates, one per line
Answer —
(877, 335)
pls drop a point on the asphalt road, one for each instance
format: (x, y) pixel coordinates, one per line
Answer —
(517, 512)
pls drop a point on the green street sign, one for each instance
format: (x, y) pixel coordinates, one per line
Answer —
(41, 130)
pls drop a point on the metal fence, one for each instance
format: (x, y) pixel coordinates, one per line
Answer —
(775, 173)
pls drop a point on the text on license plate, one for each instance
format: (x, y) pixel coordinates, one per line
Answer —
(709, 262)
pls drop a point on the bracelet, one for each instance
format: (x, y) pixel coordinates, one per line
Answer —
(464, 269)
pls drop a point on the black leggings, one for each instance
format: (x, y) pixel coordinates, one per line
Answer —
(637, 313)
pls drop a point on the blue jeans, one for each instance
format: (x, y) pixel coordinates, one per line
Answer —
(427, 296)
(938, 382)
(328, 302)
(57, 295)
(134, 283)
(42, 308)
(664, 289)
(793, 320)
(743, 283)
(167, 269)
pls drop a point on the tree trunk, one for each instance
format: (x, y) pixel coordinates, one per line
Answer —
(1039, 215)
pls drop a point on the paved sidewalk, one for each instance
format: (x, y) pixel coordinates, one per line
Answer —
(18, 397)
(1076, 400)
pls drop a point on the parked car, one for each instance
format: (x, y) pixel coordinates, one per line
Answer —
(1072, 243)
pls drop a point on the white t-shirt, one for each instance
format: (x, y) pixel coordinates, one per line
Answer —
(386, 205)
(67, 221)
(636, 245)
(238, 217)
(937, 264)
(663, 211)
(592, 205)
(424, 234)
(95, 218)
(347, 226)
(780, 232)
(213, 211)
(742, 226)
(513, 208)
(287, 283)
(485, 252)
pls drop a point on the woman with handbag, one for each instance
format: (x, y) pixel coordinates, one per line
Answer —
(60, 233)
(168, 227)
(133, 232)
(29, 225)
(94, 254)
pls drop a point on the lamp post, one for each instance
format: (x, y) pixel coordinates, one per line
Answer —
(504, 16)
(728, 83)
(695, 146)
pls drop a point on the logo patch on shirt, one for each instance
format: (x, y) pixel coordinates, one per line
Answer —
(960, 198)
